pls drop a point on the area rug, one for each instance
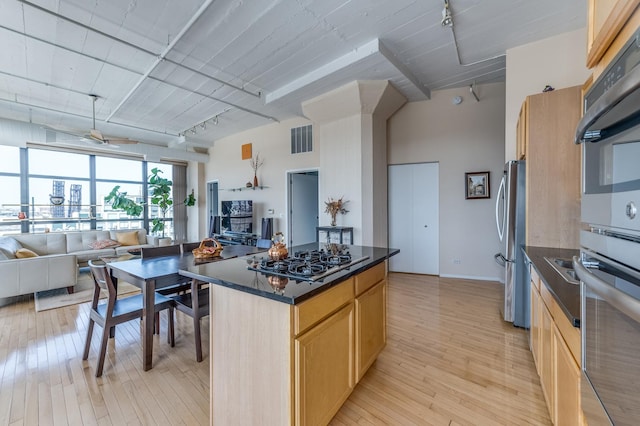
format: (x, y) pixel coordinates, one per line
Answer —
(57, 298)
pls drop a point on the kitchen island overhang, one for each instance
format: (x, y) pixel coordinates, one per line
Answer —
(236, 274)
(291, 355)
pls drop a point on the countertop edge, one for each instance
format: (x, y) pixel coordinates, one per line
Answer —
(566, 295)
(339, 278)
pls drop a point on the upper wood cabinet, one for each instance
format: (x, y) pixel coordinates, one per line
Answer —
(522, 131)
(606, 20)
(548, 121)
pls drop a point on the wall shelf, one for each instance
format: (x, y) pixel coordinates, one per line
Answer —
(247, 188)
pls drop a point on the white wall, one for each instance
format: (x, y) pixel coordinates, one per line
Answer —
(273, 143)
(557, 61)
(463, 138)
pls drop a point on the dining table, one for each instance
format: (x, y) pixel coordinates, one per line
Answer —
(155, 273)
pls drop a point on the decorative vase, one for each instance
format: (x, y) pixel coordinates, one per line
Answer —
(255, 181)
(333, 220)
(21, 215)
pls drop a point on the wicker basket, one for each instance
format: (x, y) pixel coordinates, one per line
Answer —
(209, 247)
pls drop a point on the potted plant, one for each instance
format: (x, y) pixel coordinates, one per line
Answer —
(120, 201)
(333, 207)
(160, 191)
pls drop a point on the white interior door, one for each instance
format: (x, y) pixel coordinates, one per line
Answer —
(303, 207)
(413, 218)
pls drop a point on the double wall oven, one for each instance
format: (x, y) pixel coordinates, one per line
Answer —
(609, 262)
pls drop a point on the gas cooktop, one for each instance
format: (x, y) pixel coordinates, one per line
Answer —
(309, 265)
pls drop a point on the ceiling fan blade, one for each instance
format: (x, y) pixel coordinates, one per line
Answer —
(120, 141)
(96, 134)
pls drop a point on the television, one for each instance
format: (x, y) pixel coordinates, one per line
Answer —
(237, 216)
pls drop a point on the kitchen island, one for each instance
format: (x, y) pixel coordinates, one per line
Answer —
(285, 351)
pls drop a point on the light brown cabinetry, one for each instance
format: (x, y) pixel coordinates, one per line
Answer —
(324, 368)
(371, 317)
(553, 168)
(522, 131)
(274, 363)
(606, 20)
(555, 345)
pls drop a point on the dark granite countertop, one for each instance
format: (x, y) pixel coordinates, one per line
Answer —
(567, 295)
(234, 273)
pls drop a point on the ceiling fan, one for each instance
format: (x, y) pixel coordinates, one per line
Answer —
(96, 135)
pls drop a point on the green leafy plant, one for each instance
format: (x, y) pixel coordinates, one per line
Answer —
(160, 191)
(120, 201)
(190, 200)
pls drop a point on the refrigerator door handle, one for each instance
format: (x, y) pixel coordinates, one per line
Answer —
(501, 194)
(501, 260)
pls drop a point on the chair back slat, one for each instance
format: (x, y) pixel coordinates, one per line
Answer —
(188, 247)
(148, 252)
(102, 278)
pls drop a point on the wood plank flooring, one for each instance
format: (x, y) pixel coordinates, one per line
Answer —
(449, 360)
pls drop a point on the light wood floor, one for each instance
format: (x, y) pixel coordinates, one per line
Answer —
(449, 360)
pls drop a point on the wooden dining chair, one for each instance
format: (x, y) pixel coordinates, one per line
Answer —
(181, 285)
(196, 305)
(117, 311)
(148, 252)
(189, 247)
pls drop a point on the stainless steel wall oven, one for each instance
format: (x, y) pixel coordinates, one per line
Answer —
(609, 262)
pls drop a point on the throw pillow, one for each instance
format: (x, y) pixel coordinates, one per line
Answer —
(102, 244)
(9, 246)
(128, 238)
(24, 253)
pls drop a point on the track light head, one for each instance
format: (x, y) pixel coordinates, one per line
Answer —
(447, 19)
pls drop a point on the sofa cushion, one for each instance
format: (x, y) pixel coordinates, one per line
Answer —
(9, 246)
(100, 244)
(44, 243)
(128, 238)
(142, 234)
(24, 253)
(79, 241)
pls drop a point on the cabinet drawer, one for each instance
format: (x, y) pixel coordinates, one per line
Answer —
(310, 312)
(370, 277)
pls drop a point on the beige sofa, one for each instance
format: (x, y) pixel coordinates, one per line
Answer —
(58, 257)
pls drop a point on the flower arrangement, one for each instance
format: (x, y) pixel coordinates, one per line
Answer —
(333, 207)
(255, 165)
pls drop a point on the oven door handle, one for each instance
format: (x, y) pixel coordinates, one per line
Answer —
(626, 304)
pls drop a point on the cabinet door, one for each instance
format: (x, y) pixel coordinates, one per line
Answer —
(371, 326)
(606, 19)
(522, 133)
(547, 357)
(534, 332)
(324, 375)
(567, 384)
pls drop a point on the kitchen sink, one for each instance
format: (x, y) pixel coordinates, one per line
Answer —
(564, 267)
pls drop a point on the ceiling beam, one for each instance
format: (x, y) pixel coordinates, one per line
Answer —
(371, 48)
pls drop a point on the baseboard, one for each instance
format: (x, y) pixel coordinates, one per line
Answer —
(471, 277)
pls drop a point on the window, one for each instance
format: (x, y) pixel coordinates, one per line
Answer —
(65, 191)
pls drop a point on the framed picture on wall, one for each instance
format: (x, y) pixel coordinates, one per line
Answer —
(477, 185)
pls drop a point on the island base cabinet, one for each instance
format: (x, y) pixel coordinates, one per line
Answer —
(324, 375)
(371, 332)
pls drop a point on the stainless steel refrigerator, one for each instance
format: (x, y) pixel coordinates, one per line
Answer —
(510, 221)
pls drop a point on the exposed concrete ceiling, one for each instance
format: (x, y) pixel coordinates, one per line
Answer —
(185, 73)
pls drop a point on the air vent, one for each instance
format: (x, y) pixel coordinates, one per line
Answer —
(301, 139)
